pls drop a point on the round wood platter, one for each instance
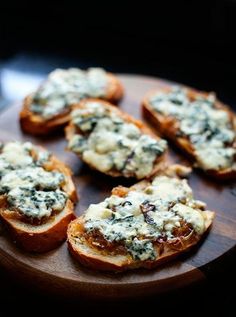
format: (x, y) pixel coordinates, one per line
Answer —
(57, 272)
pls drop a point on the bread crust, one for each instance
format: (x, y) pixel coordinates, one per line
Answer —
(104, 260)
(71, 129)
(50, 233)
(37, 125)
(167, 126)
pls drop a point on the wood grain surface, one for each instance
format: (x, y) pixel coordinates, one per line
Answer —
(57, 272)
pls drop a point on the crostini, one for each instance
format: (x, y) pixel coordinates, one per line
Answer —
(112, 142)
(197, 123)
(49, 107)
(37, 196)
(142, 226)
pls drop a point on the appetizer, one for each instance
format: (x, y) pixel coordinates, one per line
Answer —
(197, 123)
(141, 226)
(48, 108)
(37, 196)
(113, 142)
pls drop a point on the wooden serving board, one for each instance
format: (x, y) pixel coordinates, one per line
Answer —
(56, 271)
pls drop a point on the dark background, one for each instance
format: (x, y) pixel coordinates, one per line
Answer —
(191, 42)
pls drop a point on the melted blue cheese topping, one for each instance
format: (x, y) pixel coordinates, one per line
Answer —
(29, 188)
(143, 216)
(14, 155)
(65, 87)
(209, 129)
(110, 143)
(36, 203)
(31, 177)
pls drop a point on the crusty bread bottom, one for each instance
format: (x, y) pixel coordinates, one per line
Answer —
(95, 259)
(39, 238)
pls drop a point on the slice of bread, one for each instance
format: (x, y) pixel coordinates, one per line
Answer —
(36, 124)
(112, 256)
(169, 126)
(38, 238)
(73, 130)
(41, 235)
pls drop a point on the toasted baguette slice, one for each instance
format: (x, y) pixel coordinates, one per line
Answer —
(169, 127)
(36, 124)
(39, 238)
(73, 130)
(39, 234)
(95, 251)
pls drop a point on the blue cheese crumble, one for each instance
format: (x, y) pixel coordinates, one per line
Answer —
(36, 203)
(64, 87)
(208, 128)
(110, 143)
